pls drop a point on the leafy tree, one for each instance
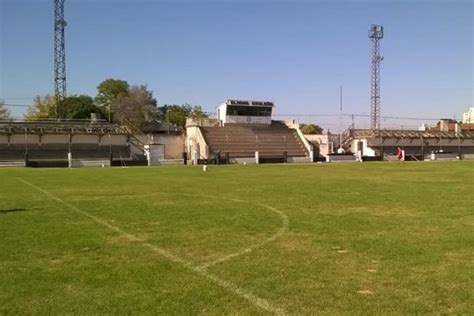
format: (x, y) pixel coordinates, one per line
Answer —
(135, 108)
(197, 112)
(42, 108)
(177, 114)
(108, 91)
(4, 112)
(311, 129)
(80, 107)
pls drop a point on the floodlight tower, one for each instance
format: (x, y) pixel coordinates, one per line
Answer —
(375, 35)
(59, 56)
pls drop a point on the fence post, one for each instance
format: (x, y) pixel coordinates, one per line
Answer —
(257, 158)
(185, 158)
(69, 159)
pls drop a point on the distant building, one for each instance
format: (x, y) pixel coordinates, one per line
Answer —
(450, 125)
(423, 127)
(468, 117)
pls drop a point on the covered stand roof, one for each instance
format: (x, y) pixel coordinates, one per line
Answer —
(368, 133)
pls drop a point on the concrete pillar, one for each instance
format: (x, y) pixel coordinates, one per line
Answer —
(69, 159)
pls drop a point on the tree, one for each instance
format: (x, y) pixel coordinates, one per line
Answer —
(177, 114)
(81, 107)
(108, 91)
(135, 108)
(311, 129)
(197, 112)
(42, 108)
(4, 112)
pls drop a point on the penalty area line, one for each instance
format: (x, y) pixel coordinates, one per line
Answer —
(236, 290)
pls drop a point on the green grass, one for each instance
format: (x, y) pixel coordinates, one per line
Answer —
(123, 241)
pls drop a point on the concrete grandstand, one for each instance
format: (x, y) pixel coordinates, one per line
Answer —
(245, 132)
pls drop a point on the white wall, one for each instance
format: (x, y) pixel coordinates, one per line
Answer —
(468, 117)
(324, 141)
(221, 111)
(248, 119)
(196, 142)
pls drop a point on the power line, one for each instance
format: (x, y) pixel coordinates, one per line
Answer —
(2, 98)
(358, 115)
(18, 105)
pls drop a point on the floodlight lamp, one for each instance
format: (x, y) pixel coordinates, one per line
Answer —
(376, 31)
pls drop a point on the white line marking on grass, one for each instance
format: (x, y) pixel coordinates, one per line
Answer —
(249, 296)
(278, 234)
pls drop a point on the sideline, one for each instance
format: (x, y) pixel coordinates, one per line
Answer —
(238, 291)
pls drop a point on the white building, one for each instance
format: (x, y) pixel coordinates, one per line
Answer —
(243, 111)
(468, 117)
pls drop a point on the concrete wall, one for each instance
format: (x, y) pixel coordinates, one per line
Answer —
(174, 144)
(55, 139)
(247, 119)
(85, 139)
(21, 139)
(196, 144)
(324, 142)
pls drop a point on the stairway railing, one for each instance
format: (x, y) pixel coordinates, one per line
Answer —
(347, 136)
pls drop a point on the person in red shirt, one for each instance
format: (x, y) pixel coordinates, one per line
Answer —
(399, 153)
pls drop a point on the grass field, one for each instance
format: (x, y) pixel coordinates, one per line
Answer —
(371, 238)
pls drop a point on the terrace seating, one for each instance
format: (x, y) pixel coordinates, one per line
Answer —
(242, 140)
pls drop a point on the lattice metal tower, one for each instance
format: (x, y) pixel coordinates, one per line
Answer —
(375, 35)
(59, 56)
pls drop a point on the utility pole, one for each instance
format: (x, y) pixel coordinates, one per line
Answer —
(340, 117)
(59, 58)
(375, 35)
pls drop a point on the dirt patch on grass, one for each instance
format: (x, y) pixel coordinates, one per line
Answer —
(56, 261)
(297, 243)
(124, 240)
(365, 292)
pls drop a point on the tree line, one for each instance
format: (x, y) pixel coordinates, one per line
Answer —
(119, 102)
(116, 101)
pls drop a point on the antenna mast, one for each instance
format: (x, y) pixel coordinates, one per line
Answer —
(375, 35)
(59, 57)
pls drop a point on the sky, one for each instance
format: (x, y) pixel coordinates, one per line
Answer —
(294, 53)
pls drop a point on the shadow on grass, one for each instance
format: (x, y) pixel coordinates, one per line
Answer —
(11, 210)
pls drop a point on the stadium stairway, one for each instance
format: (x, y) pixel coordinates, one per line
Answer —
(242, 140)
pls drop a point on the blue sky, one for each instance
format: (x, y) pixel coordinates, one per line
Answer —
(295, 53)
